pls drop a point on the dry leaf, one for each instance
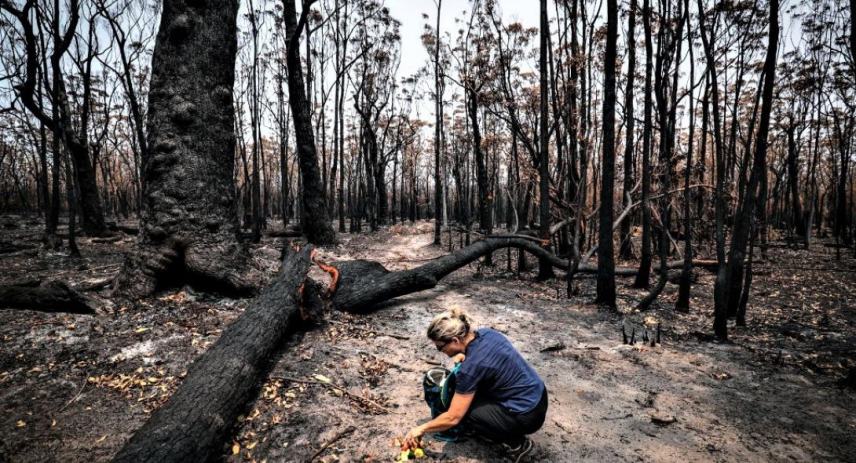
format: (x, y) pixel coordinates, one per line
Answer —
(103, 438)
(21, 423)
(140, 330)
(323, 379)
(236, 448)
(251, 445)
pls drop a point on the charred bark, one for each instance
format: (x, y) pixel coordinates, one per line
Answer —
(53, 296)
(196, 420)
(485, 197)
(189, 225)
(438, 131)
(744, 216)
(314, 217)
(720, 326)
(643, 278)
(605, 254)
(626, 251)
(683, 302)
(796, 219)
(364, 284)
(545, 271)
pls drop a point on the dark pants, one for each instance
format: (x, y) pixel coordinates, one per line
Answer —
(495, 422)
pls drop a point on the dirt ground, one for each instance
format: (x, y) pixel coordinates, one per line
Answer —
(74, 387)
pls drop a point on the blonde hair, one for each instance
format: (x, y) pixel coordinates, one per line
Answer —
(453, 323)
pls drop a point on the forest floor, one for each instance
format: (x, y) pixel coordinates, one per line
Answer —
(75, 387)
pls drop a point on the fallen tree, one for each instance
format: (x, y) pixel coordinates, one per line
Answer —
(363, 284)
(51, 296)
(195, 422)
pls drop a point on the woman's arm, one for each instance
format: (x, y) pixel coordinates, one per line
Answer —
(448, 419)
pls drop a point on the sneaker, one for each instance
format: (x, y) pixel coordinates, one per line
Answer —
(517, 454)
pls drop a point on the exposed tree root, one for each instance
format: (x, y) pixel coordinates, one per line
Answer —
(214, 267)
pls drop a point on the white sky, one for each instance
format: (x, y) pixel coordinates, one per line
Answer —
(409, 12)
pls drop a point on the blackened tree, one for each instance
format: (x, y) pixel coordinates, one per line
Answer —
(189, 223)
(605, 251)
(314, 213)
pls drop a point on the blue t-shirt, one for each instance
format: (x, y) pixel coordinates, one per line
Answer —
(497, 372)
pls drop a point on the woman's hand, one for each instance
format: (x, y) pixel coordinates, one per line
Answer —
(413, 439)
(458, 358)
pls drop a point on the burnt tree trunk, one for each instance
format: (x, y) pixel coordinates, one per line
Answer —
(744, 216)
(720, 326)
(485, 197)
(438, 130)
(626, 251)
(189, 223)
(796, 219)
(643, 278)
(683, 302)
(314, 216)
(668, 52)
(605, 254)
(545, 271)
(364, 284)
(195, 422)
(71, 200)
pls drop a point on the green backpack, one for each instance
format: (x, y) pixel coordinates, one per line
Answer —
(438, 384)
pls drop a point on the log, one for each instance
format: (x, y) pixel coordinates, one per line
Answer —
(364, 284)
(196, 420)
(52, 296)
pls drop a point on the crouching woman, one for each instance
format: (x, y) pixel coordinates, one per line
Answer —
(498, 395)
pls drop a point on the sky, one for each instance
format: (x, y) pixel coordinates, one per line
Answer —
(409, 12)
(413, 53)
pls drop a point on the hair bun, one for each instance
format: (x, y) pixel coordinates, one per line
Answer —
(453, 322)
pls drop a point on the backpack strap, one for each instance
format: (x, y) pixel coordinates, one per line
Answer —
(445, 394)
